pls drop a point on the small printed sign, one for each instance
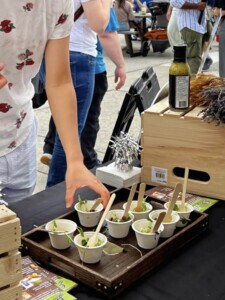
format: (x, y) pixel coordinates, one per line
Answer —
(40, 284)
(159, 175)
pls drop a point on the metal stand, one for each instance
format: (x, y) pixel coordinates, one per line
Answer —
(140, 96)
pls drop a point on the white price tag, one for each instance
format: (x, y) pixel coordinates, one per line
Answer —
(159, 175)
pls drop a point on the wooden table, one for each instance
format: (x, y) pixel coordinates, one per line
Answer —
(143, 18)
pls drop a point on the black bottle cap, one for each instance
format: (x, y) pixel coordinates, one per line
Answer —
(180, 52)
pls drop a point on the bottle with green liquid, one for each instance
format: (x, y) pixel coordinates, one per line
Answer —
(179, 80)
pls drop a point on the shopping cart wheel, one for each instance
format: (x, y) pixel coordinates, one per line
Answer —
(145, 48)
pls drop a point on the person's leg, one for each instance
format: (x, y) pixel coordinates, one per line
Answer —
(57, 169)
(222, 49)
(50, 137)
(82, 70)
(18, 169)
(83, 75)
(173, 32)
(193, 40)
(49, 143)
(91, 128)
(205, 45)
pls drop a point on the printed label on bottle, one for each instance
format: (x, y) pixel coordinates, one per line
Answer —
(179, 91)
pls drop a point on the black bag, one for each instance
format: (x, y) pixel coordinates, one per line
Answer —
(40, 96)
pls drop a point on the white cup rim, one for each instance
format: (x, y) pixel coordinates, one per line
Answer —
(119, 223)
(139, 212)
(64, 220)
(188, 205)
(99, 209)
(91, 233)
(145, 233)
(174, 213)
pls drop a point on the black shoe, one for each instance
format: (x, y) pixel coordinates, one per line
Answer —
(133, 37)
(207, 64)
(99, 163)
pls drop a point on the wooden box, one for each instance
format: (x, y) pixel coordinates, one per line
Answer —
(172, 141)
(10, 258)
(112, 274)
(10, 231)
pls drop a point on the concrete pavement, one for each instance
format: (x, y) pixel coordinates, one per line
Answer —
(135, 66)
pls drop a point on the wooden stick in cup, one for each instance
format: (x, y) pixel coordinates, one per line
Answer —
(176, 192)
(130, 198)
(182, 206)
(142, 187)
(158, 221)
(96, 204)
(92, 241)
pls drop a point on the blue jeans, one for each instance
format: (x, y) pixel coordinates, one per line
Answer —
(123, 26)
(83, 75)
(91, 128)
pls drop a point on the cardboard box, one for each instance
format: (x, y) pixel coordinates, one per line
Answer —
(10, 258)
(172, 141)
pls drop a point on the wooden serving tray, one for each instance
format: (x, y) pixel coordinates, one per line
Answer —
(114, 273)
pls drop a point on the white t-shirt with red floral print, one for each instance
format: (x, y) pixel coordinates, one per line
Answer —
(25, 28)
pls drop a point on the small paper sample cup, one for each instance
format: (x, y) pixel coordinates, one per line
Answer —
(90, 255)
(184, 215)
(86, 217)
(141, 214)
(59, 240)
(145, 239)
(169, 227)
(116, 229)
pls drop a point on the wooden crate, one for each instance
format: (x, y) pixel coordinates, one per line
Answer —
(10, 258)
(12, 293)
(10, 231)
(113, 274)
(172, 141)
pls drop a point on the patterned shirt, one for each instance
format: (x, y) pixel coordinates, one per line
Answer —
(189, 17)
(25, 28)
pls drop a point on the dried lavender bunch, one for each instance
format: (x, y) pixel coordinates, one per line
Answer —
(126, 151)
(216, 108)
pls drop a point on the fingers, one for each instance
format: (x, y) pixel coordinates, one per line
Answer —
(70, 191)
(119, 85)
(94, 185)
(121, 82)
(100, 189)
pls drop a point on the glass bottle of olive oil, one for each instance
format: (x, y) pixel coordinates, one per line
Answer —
(179, 80)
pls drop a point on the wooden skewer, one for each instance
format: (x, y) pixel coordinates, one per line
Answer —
(130, 198)
(142, 187)
(96, 204)
(176, 192)
(92, 241)
(158, 221)
(182, 206)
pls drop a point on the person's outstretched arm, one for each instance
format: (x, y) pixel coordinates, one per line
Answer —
(62, 100)
(111, 44)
